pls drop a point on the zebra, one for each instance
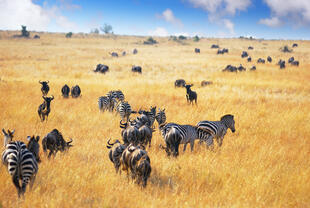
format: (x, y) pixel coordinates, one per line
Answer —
(124, 109)
(217, 129)
(161, 116)
(149, 114)
(21, 163)
(106, 102)
(118, 95)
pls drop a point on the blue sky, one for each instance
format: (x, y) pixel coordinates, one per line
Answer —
(271, 19)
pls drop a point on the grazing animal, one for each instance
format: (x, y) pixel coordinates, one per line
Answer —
(65, 91)
(197, 50)
(290, 60)
(161, 116)
(179, 83)
(230, 68)
(45, 108)
(150, 116)
(102, 68)
(75, 91)
(205, 83)
(130, 133)
(249, 59)
(124, 110)
(8, 136)
(295, 63)
(244, 54)
(253, 68)
(281, 63)
(138, 162)
(250, 48)
(269, 59)
(260, 60)
(294, 45)
(36, 37)
(137, 69)
(106, 102)
(45, 88)
(145, 135)
(135, 51)
(21, 164)
(214, 46)
(117, 95)
(223, 51)
(55, 142)
(34, 146)
(124, 53)
(241, 68)
(115, 153)
(190, 95)
(216, 129)
(114, 54)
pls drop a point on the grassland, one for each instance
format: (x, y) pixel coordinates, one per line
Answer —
(265, 163)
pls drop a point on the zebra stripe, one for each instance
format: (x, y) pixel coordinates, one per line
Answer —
(106, 103)
(12, 148)
(161, 117)
(124, 109)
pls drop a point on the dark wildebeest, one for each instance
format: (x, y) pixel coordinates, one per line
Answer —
(130, 133)
(114, 54)
(241, 68)
(250, 48)
(214, 46)
(253, 68)
(135, 51)
(197, 50)
(45, 88)
(138, 162)
(65, 90)
(75, 91)
(54, 142)
(36, 37)
(249, 59)
(244, 54)
(137, 69)
(179, 83)
(45, 108)
(190, 95)
(281, 63)
(269, 59)
(230, 68)
(34, 146)
(295, 63)
(225, 50)
(115, 153)
(290, 60)
(295, 45)
(260, 60)
(205, 83)
(124, 53)
(102, 68)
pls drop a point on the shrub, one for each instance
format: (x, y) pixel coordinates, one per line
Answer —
(69, 35)
(150, 41)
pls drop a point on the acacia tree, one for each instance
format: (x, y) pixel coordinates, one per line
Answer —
(106, 28)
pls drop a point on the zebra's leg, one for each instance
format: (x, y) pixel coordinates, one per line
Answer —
(184, 148)
(209, 142)
(50, 154)
(219, 141)
(176, 149)
(192, 144)
(16, 183)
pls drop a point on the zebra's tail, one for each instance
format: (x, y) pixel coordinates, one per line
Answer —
(44, 144)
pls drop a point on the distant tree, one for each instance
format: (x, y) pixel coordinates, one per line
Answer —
(196, 38)
(182, 37)
(173, 37)
(106, 28)
(95, 31)
(25, 33)
(69, 35)
(150, 41)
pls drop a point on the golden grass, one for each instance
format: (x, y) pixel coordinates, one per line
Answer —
(265, 163)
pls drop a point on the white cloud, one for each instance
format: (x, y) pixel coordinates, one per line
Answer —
(296, 12)
(229, 25)
(14, 13)
(159, 31)
(168, 16)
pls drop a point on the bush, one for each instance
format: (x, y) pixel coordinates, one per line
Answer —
(182, 37)
(150, 41)
(69, 35)
(196, 39)
(174, 38)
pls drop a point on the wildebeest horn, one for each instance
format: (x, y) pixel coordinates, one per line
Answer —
(109, 142)
(47, 81)
(69, 141)
(52, 97)
(40, 82)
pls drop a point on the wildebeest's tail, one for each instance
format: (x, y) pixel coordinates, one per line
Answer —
(44, 140)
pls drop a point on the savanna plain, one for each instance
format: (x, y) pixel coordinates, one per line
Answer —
(265, 163)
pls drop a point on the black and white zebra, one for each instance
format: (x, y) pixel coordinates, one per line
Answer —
(124, 109)
(21, 164)
(217, 129)
(106, 102)
(119, 95)
(161, 116)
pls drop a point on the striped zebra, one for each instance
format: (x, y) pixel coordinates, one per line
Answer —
(117, 95)
(124, 109)
(161, 116)
(217, 129)
(176, 134)
(106, 103)
(21, 164)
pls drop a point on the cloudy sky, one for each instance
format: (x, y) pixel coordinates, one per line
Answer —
(271, 19)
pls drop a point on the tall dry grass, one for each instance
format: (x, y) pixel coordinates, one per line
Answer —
(265, 163)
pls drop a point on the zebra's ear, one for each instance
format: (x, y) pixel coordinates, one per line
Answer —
(4, 132)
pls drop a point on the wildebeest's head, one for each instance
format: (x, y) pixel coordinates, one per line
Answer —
(44, 83)
(48, 99)
(8, 136)
(34, 147)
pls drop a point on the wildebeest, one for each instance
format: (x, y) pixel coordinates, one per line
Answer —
(179, 83)
(250, 48)
(197, 50)
(281, 63)
(36, 37)
(241, 68)
(75, 91)
(294, 45)
(102, 68)
(55, 142)
(115, 153)
(224, 50)
(285, 49)
(269, 59)
(260, 60)
(65, 90)
(45, 88)
(290, 60)
(244, 54)
(45, 108)
(130, 133)
(34, 146)
(214, 46)
(139, 163)
(137, 69)
(205, 83)
(114, 54)
(135, 51)
(124, 53)
(295, 63)
(230, 68)
(249, 59)
(190, 95)
(253, 68)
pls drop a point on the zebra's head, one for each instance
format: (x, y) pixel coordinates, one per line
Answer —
(34, 147)
(229, 122)
(160, 116)
(8, 136)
